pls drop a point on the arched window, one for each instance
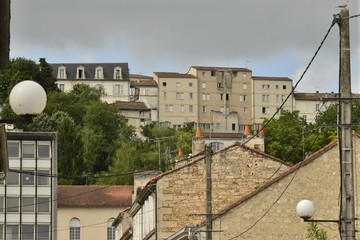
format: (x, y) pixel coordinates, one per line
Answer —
(80, 72)
(61, 72)
(99, 73)
(74, 229)
(117, 73)
(110, 229)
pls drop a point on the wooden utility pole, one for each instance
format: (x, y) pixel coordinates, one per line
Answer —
(347, 211)
(208, 154)
(4, 33)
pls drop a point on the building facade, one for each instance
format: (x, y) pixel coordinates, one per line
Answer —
(178, 98)
(28, 194)
(87, 212)
(112, 77)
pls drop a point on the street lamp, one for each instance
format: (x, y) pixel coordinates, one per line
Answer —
(306, 210)
(27, 99)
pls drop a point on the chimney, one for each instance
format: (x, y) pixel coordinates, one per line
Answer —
(261, 130)
(247, 130)
(198, 142)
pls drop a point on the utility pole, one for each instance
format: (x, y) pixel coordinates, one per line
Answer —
(208, 154)
(4, 33)
(347, 211)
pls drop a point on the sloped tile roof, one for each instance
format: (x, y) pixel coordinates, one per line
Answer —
(173, 75)
(222, 68)
(139, 76)
(150, 82)
(271, 78)
(121, 105)
(94, 196)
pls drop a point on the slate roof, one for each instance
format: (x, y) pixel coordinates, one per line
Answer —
(173, 75)
(122, 105)
(222, 68)
(94, 196)
(108, 69)
(271, 78)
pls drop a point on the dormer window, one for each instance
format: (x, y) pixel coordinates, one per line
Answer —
(117, 73)
(61, 73)
(99, 73)
(80, 72)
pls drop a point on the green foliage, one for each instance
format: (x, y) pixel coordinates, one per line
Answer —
(315, 233)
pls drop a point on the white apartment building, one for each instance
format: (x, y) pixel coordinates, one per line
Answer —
(28, 194)
(112, 77)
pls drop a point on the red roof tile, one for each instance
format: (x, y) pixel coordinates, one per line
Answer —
(222, 68)
(271, 78)
(173, 75)
(121, 105)
(139, 76)
(94, 196)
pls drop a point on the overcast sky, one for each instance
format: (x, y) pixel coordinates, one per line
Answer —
(270, 37)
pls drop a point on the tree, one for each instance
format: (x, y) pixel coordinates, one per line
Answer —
(316, 233)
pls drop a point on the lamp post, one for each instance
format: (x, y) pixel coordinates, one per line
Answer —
(27, 99)
(306, 210)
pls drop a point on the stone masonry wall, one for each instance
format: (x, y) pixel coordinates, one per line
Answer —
(235, 172)
(317, 181)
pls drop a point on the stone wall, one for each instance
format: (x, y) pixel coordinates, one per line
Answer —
(273, 208)
(236, 171)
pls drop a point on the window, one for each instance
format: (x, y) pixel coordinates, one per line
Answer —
(168, 108)
(164, 84)
(1, 207)
(217, 126)
(276, 86)
(241, 127)
(280, 110)
(244, 86)
(277, 98)
(74, 229)
(265, 86)
(206, 97)
(12, 204)
(191, 108)
(28, 178)
(243, 98)
(61, 87)
(221, 96)
(1, 231)
(182, 108)
(233, 126)
(222, 109)
(179, 96)
(27, 204)
(282, 98)
(99, 86)
(117, 89)
(190, 96)
(110, 229)
(203, 84)
(117, 73)
(265, 110)
(245, 110)
(244, 75)
(284, 86)
(304, 117)
(61, 73)
(215, 146)
(99, 73)
(27, 232)
(203, 73)
(203, 109)
(43, 151)
(80, 73)
(43, 204)
(28, 150)
(265, 98)
(13, 149)
(227, 111)
(227, 97)
(164, 95)
(317, 107)
(177, 84)
(213, 73)
(43, 232)
(12, 232)
(190, 84)
(12, 178)
(42, 177)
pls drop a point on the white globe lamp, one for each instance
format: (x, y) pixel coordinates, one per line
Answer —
(28, 99)
(305, 209)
